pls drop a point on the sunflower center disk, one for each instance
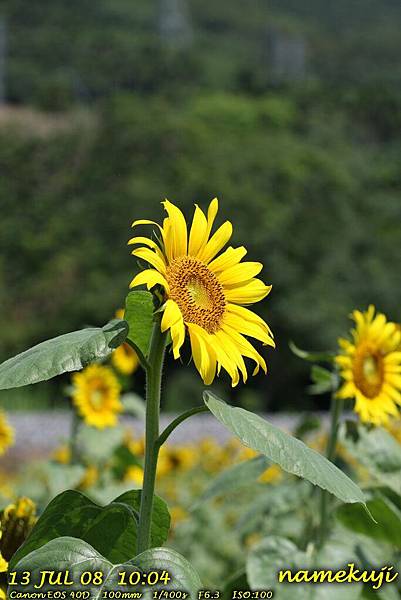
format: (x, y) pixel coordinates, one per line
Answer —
(197, 292)
(368, 372)
(97, 395)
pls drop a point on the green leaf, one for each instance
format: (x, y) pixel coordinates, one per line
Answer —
(139, 311)
(379, 449)
(311, 356)
(276, 553)
(290, 453)
(111, 530)
(77, 556)
(278, 505)
(238, 582)
(379, 452)
(235, 477)
(183, 575)
(62, 554)
(65, 353)
(387, 515)
(160, 526)
(267, 558)
(323, 380)
(88, 442)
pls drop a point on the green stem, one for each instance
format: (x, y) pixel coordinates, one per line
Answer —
(170, 428)
(153, 386)
(335, 414)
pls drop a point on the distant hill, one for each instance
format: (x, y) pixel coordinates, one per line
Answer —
(62, 51)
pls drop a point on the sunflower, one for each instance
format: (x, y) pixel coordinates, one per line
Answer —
(6, 434)
(124, 358)
(134, 473)
(96, 396)
(370, 366)
(204, 291)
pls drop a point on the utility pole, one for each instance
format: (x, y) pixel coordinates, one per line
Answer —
(174, 23)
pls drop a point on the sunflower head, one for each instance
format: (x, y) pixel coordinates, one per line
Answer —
(204, 291)
(62, 454)
(135, 474)
(370, 365)
(7, 435)
(90, 477)
(16, 520)
(96, 396)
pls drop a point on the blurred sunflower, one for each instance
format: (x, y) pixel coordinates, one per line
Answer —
(124, 358)
(6, 434)
(90, 477)
(203, 292)
(370, 366)
(96, 396)
(134, 473)
(16, 522)
(62, 454)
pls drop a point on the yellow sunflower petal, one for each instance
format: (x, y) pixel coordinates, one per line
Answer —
(240, 273)
(150, 278)
(203, 354)
(171, 315)
(231, 349)
(152, 258)
(218, 240)
(246, 349)
(198, 233)
(227, 259)
(144, 240)
(247, 328)
(211, 215)
(253, 291)
(145, 222)
(177, 332)
(177, 239)
(249, 315)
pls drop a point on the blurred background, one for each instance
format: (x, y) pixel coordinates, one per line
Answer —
(288, 111)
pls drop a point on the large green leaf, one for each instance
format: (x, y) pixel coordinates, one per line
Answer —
(267, 558)
(276, 554)
(111, 530)
(160, 525)
(183, 575)
(387, 515)
(375, 447)
(88, 442)
(290, 453)
(139, 311)
(68, 352)
(379, 452)
(62, 554)
(77, 556)
(235, 477)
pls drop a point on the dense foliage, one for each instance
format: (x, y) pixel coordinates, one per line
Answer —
(307, 170)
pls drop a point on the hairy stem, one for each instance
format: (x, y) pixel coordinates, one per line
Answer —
(153, 387)
(335, 414)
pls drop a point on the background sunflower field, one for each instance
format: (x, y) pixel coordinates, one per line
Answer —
(290, 113)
